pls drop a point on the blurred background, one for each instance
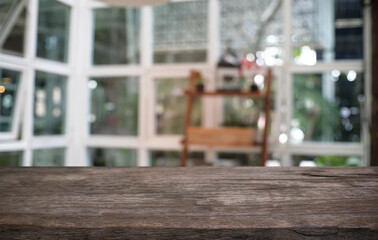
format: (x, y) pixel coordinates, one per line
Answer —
(84, 83)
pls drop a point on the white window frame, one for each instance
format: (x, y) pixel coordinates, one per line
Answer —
(79, 70)
(53, 67)
(290, 68)
(11, 21)
(28, 65)
(16, 118)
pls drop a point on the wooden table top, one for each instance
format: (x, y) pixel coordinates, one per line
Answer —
(189, 203)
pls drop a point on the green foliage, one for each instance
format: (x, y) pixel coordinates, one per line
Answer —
(49, 157)
(241, 112)
(296, 52)
(324, 161)
(313, 112)
(10, 159)
(171, 106)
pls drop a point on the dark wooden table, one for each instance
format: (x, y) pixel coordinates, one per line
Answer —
(189, 203)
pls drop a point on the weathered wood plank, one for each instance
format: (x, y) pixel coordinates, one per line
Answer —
(191, 203)
(223, 136)
(226, 94)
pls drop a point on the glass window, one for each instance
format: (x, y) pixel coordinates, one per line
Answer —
(10, 159)
(180, 32)
(12, 26)
(327, 107)
(252, 27)
(9, 87)
(116, 36)
(53, 30)
(49, 104)
(49, 157)
(238, 159)
(326, 161)
(114, 105)
(245, 112)
(113, 157)
(242, 111)
(171, 106)
(172, 159)
(327, 30)
(5, 7)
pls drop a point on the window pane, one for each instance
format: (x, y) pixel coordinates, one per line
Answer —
(9, 86)
(172, 159)
(180, 32)
(114, 105)
(327, 107)
(326, 160)
(49, 104)
(171, 106)
(113, 157)
(116, 36)
(327, 30)
(242, 111)
(252, 26)
(53, 30)
(5, 7)
(245, 112)
(48, 157)
(12, 26)
(238, 159)
(10, 159)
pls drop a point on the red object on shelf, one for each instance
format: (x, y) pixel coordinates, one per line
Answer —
(247, 66)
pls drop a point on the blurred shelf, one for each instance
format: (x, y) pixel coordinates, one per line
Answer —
(231, 137)
(226, 94)
(226, 136)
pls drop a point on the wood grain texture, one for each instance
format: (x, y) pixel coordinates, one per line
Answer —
(226, 94)
(189, 203)
(264, 152)
(223, 136)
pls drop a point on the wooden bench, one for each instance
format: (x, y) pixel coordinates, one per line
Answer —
(189, 203)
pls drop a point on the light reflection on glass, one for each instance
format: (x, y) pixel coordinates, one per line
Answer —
(53, 30)
(9, 87)
(116, 36)
(114, 105)
(326, 31)
(252, 28)
(171, 105)
(49, 157)
(180, 32)
(327, 110)
(50, 104)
